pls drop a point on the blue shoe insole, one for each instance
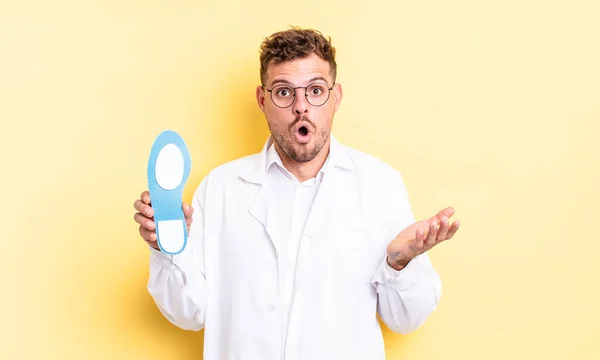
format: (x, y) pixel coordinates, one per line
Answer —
(168, 170)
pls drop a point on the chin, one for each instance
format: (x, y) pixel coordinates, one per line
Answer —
(304, 152)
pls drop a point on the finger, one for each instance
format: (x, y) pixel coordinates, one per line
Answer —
(419, 239)
(445, 213)
(147, 235)
(433, 230)
(143, 208)
(145, 197)
(453, 229)
(153, 244)
(144, 221)
(443, 231)
(137, 204)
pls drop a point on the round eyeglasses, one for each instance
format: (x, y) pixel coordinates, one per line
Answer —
(283, 96)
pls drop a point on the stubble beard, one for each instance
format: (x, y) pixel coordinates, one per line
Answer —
(284, 137)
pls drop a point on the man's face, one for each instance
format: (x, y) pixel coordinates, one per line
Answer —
(301, 130)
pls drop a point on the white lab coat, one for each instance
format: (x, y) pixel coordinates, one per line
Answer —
(227, 281)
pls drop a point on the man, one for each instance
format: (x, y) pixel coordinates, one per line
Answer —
(293, 251)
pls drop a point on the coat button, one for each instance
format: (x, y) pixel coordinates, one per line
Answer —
(272, 307)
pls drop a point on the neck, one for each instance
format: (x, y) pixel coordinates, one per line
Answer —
(308, 169)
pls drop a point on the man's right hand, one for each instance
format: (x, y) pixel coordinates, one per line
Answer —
(145, 217)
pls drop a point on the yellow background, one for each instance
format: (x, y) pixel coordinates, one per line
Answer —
(490, 106)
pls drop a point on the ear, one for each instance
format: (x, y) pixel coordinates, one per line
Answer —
(337, 95)
(260, 98)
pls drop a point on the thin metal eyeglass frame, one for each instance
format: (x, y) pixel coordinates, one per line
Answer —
(305, 94)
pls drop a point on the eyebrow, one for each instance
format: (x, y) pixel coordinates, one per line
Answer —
(283, 81)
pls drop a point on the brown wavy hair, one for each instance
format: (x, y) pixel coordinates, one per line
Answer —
(295, 43)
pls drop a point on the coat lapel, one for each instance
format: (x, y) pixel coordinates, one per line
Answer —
(255, 174)
(260, 211)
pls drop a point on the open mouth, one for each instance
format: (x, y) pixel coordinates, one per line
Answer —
(303, 134)
(303, 131)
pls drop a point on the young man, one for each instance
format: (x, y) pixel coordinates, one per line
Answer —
(293, 251)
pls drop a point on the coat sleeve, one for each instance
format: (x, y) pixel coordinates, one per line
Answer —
(177, 282)
(407, 297)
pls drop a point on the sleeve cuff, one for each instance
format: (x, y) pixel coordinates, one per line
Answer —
(391, 272)
(403, 278)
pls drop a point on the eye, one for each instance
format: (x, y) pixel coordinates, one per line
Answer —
(316, 90)
(283, 92)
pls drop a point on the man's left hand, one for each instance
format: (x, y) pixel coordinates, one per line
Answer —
(420, 237)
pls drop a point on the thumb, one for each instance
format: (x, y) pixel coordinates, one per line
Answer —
(187, 210)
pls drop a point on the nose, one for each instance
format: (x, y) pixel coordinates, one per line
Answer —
(301, 104)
